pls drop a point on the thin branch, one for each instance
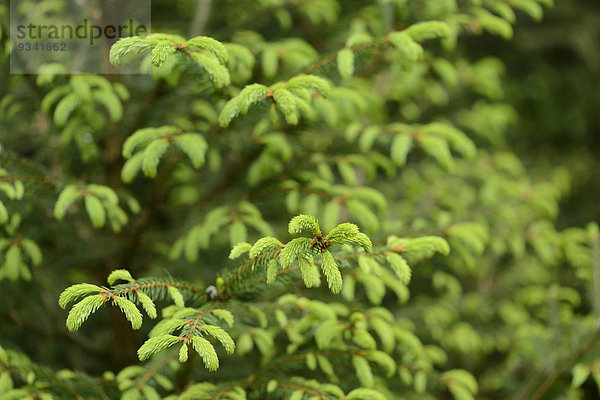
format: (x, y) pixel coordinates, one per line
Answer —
(50, 376)
(295, 357)
(155, 368)
(560, 367)
(331, 58)
(165, 284)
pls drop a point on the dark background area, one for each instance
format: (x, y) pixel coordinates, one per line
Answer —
(553, 80)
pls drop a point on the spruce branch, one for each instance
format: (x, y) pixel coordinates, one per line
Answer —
(39, 174)
(418, 32)
(543, 382)
(261, 288)
(77, 385)
(243, 279)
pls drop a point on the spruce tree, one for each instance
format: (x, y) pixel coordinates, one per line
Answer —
(303, 199)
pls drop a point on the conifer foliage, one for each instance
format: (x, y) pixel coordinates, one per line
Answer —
(314, 199)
